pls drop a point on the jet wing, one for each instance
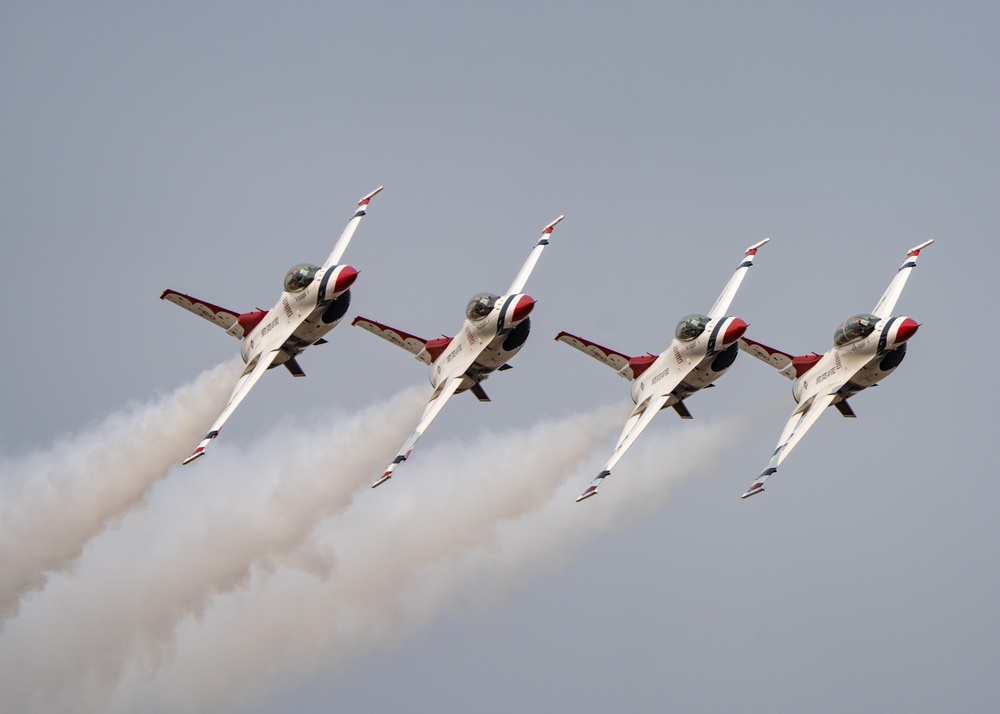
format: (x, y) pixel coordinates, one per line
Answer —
(411, 343)
(721, 305)
(250, 375)
(258, 364)
(226, 319)
(529, 265)
(440, 397)
(887, 302)
(352, 225)
(797, 426)
(638, 420)
(615, 360)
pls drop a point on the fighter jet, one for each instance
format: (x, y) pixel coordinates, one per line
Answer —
(314, 300)
(703, 348)
(866, 349)
(495, 329)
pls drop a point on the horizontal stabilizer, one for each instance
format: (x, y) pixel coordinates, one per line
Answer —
(845, 409)
(294, 368)
(682, 410)
(480, 393)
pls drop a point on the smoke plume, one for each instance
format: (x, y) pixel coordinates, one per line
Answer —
(55, 502)
(278, 558)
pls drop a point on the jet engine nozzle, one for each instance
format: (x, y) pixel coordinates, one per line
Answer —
(525, 304)
(734, 331)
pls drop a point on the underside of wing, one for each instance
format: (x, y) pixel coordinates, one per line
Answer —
(352, 226)
(417, 346)
(637, 421)
(617, 361)
(797, 426)
(433, 408)
(226, 319)
(887, 303)
(522, 276)
(247, 380)
(721, 306)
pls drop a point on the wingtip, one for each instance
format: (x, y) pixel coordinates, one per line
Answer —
(195, 455)
(753, 491)
(591, 491)
(364, 201)
(548, 228)
(385, 477)
(915, 250)
(752, 250)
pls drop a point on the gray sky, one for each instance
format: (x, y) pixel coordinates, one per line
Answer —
(209, 147)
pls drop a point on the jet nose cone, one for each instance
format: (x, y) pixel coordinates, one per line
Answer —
(345, 279)
(734, 332)
(906, 329)
(525, 304)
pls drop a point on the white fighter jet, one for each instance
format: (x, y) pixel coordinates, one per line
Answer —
(314, 300)
(703, 349)
(866, 349)
(495, 329)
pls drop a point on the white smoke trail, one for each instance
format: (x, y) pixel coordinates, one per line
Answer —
(55, 502)
(459, 521)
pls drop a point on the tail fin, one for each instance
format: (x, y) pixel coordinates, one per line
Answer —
(788, 365)
(424, 350)
(628, 367)
(235, 324)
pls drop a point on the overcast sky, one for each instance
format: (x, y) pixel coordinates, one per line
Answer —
(208, 147)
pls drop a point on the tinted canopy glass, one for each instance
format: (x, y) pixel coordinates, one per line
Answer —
(480, 306)
(691, 326)
(299, 277)
(856, 328)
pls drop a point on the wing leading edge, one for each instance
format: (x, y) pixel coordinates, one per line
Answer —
(886, 304)
(797, 426)
(637, 422)
(721, 305)
(529, 265)
(433, 408)
(247, 380)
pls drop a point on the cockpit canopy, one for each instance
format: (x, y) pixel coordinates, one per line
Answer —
(480, 306)
(691, 326)
(299, 277)
(856, 328)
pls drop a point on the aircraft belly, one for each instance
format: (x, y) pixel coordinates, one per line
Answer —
(310, 331)
(495, 356)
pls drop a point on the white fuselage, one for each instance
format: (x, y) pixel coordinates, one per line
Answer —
(316, 309)
(693, 364)
(483, 346)
(853, 367)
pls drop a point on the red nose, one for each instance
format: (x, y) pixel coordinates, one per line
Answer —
(524, 306)
(906, 329)
(345, 279)
(734, 332)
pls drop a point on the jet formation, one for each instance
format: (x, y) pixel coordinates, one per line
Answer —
(315, 298)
